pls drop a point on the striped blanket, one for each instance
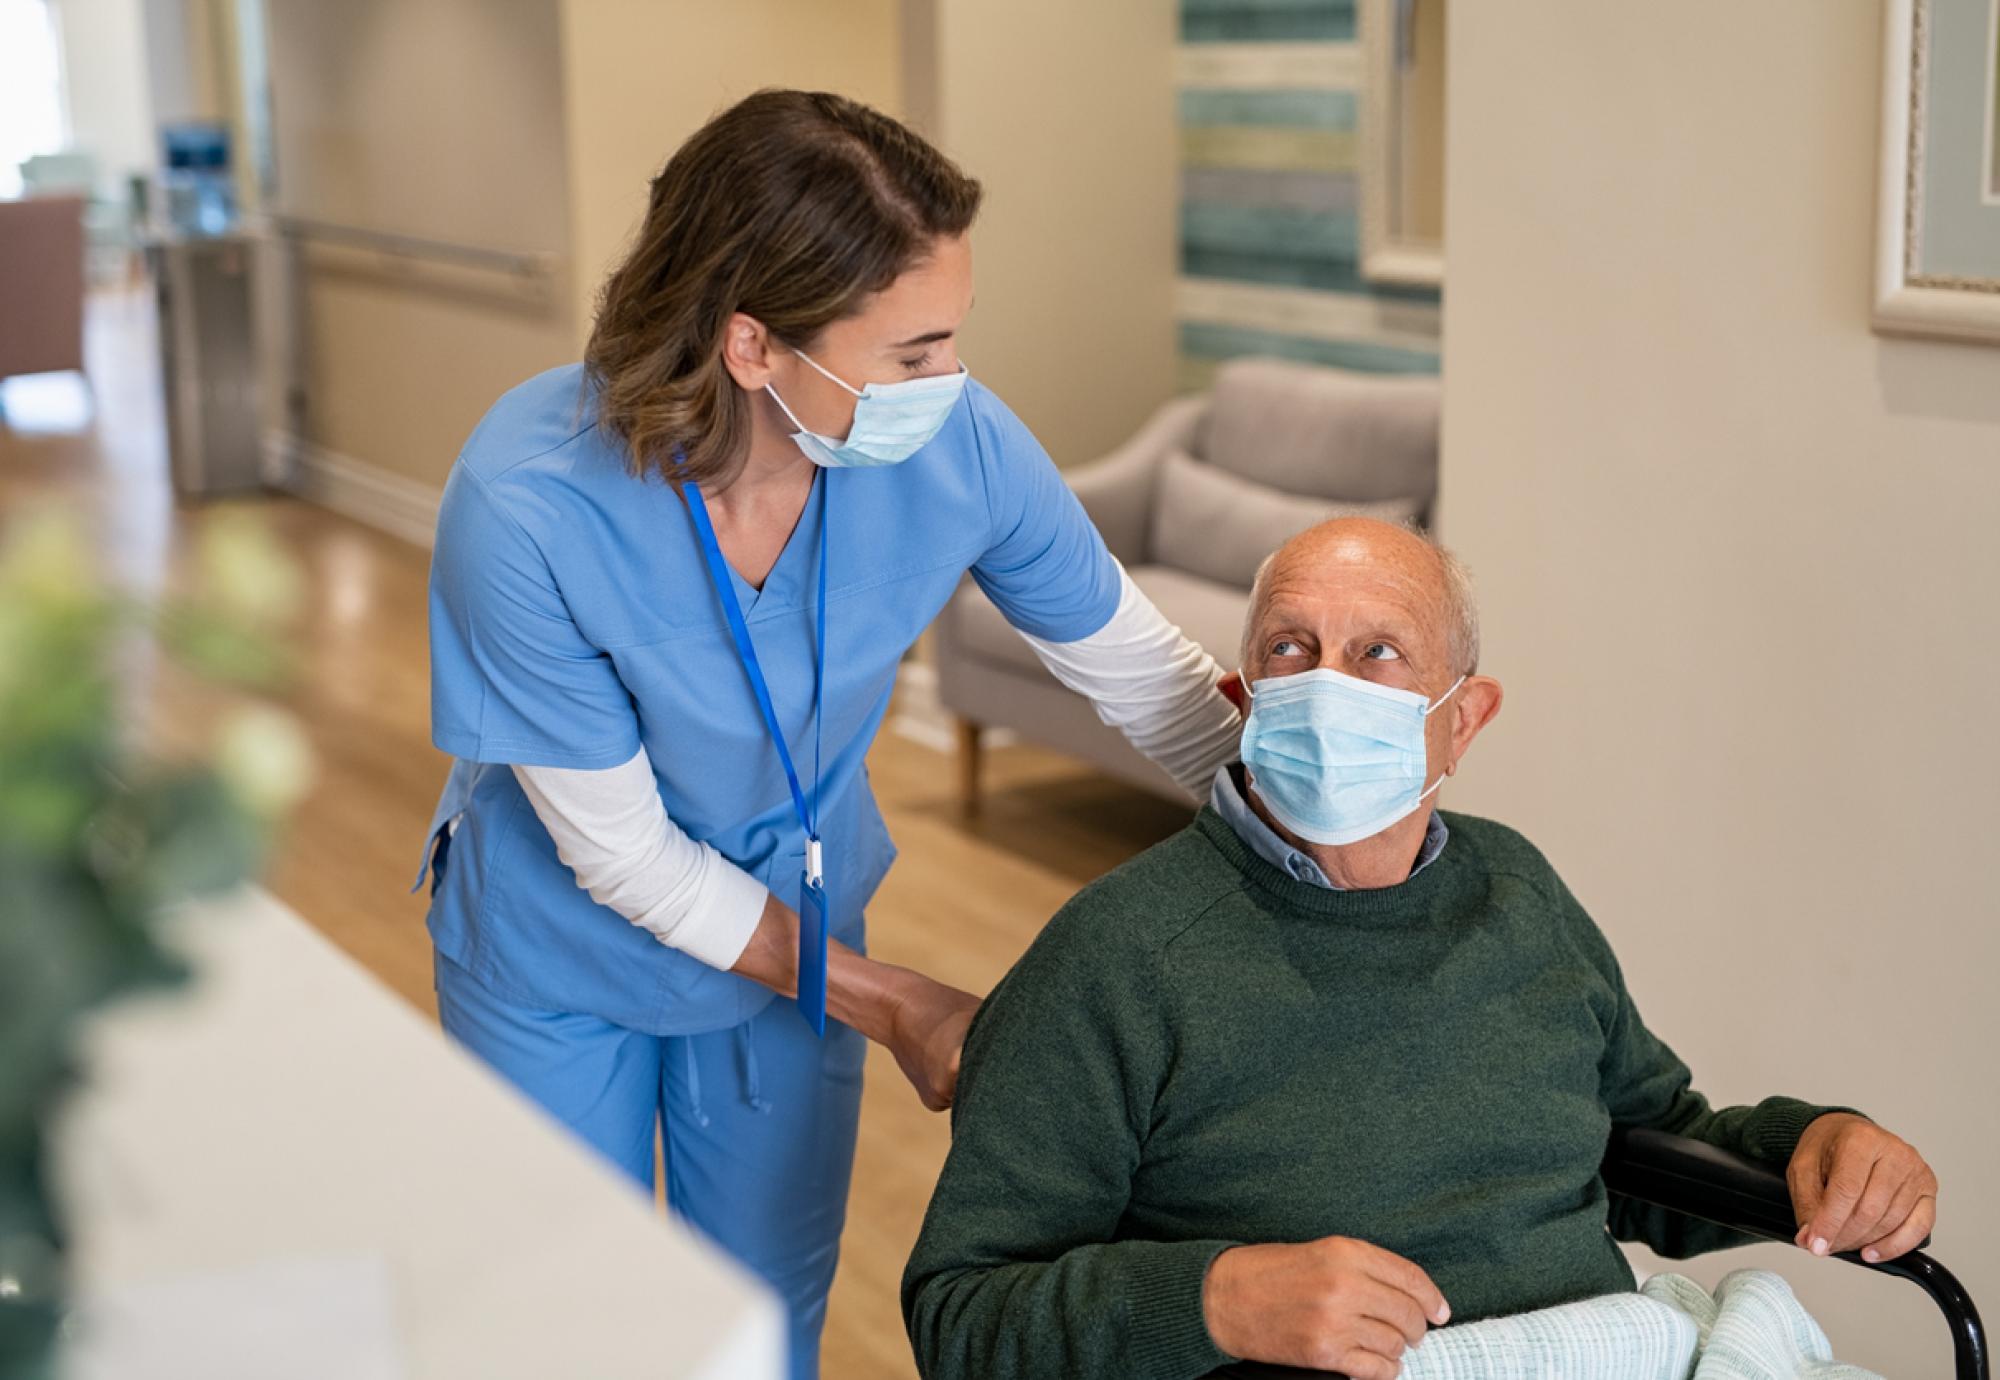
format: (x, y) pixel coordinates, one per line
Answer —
(1751, 1328)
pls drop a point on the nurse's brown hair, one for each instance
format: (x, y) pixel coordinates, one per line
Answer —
(792, 207)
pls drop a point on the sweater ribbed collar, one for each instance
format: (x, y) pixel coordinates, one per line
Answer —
(1410, 902)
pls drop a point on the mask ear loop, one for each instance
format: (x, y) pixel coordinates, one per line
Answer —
(790, 415)
(1445, 696)
(835, 377)
(1432, 789)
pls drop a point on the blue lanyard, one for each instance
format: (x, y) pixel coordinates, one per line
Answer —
(746, 652)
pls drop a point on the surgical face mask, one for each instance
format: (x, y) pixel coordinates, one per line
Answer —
(1336, 758)
(892, 421)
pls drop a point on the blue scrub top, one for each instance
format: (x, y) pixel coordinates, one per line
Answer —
(572, 621)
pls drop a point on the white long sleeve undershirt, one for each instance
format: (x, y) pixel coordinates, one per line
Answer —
(612, 830)
(1155, 685)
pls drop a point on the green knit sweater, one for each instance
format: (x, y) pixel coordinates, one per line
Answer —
(1200, 1051)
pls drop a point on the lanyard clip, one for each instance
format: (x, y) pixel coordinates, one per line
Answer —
(815, 872)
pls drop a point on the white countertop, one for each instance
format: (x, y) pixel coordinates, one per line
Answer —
(287, 1119)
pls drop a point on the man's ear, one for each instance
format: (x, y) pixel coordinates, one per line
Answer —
(1478, 703)
(1231, 686)
(746, 352)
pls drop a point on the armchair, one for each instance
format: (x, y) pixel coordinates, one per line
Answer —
(41, 284)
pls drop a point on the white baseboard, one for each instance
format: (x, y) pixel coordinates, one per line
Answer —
(379, 498)
(920, 718)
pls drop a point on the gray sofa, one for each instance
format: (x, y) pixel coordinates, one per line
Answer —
(1191, 504)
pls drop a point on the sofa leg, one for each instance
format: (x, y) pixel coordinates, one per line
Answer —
(970, 750)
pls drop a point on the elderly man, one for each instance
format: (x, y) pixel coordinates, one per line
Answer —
(1330, 1065)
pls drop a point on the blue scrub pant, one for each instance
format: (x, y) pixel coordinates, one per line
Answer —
(759, 1123)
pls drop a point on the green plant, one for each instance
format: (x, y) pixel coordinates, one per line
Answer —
(98, 840)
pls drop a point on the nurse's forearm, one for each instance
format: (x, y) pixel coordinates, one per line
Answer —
(920, 1021)
(612, 829)
(859, 991)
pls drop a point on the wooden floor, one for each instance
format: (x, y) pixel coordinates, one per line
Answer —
(962, 902)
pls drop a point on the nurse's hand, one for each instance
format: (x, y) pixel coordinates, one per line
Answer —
(926, 1033)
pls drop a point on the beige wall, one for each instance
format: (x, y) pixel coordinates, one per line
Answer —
(529, 125)
(1066, 113)
(187, 54)
(130, 66)
(106, 85)
(642, 75)
(1074, 250)
(537, 124)
(435, 118)
(1739, 571)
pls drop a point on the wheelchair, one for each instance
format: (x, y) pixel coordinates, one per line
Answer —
(1700, 1180)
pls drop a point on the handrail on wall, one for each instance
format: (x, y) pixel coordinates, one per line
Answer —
(515, 262)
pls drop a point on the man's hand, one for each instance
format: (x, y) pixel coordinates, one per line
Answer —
(1332, 1304)
(927, 1025)
(1857, 1187)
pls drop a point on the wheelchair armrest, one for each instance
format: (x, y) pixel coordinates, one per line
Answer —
(1699, 1180)
(1731, 1190)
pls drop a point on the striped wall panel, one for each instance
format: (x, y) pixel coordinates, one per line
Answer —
(1269, 94)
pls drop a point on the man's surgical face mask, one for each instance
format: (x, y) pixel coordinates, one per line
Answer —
(1335, 758)
(892, 421)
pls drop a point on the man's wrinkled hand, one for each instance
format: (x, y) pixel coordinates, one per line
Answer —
(1856, 1187)
(1334, 1304)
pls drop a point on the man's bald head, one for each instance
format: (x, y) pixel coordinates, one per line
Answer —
(1385, 575)
(1381, 604)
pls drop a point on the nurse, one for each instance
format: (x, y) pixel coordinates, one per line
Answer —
(671, 589)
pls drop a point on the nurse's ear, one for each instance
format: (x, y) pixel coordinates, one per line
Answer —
(747, 352)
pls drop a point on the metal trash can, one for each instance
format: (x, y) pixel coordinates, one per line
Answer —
(208, 360)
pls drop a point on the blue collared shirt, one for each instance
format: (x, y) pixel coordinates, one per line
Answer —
(1229, 802)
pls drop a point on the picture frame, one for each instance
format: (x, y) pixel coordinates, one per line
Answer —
(1394, 253)
(1937, 262)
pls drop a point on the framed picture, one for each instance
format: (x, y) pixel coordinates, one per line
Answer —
(1937, 268)
(1402, 142)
